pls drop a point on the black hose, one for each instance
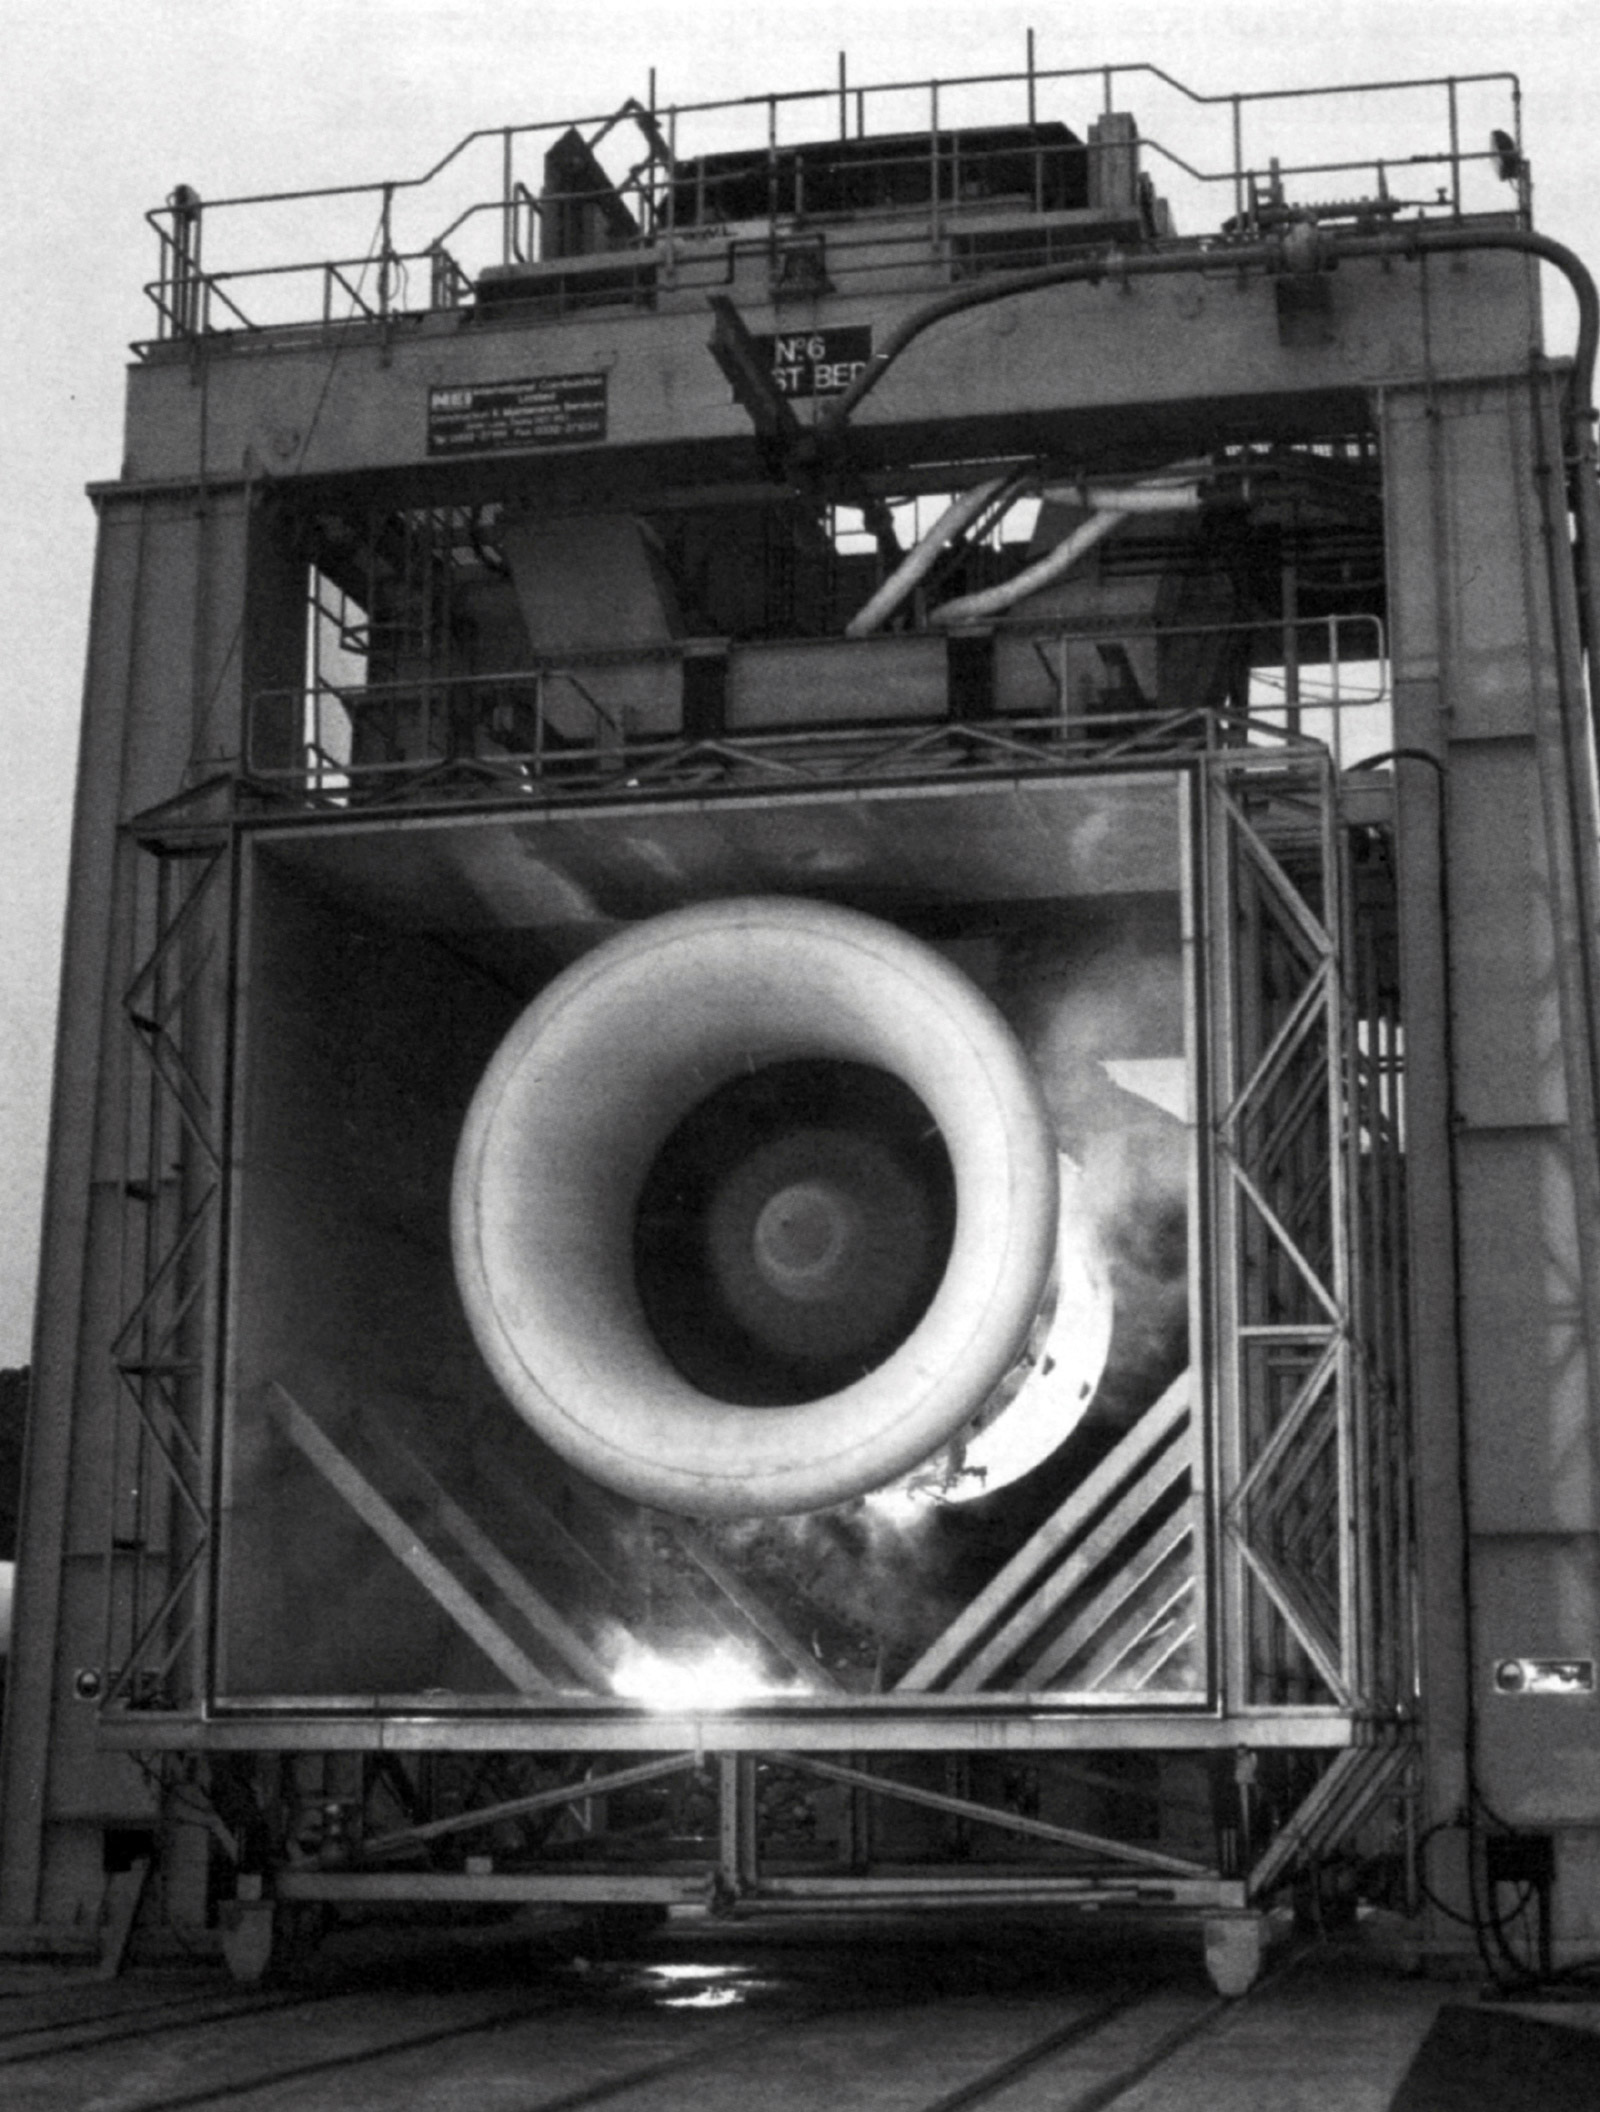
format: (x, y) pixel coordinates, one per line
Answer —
(1265, 256)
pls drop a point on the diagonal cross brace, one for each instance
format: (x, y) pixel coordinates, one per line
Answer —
(376, 1512)
(750, 376)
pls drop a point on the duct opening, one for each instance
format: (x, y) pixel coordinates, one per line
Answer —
(793, 1230)
(384, 1456)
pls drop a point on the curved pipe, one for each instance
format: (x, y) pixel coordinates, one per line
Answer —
(571, 1115)
(957, 516)
(1108, 510)
(1250, 256)
(973, 608)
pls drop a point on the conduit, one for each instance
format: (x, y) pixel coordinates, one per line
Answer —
(957, 517)
(1270, 256)
(1152, 496)
(1109, 509)
(973, 608)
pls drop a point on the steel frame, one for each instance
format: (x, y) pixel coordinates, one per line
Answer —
(1309, 1580)
(1307, 1154)
(160, 1530)
(494, 730)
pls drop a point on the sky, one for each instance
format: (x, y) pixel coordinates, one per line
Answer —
(106, 105)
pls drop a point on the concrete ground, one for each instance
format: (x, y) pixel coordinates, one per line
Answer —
(856, 2015)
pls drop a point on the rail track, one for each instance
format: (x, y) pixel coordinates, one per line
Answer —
(918, 2023)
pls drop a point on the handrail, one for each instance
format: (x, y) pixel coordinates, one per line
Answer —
(653, 180)
(465, 707)
(798, 95)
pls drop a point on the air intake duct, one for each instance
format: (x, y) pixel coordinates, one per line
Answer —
(755, 1208)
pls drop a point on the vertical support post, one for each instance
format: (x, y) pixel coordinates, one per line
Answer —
(1238, 159)
(1455, 149)
(1226, 929)
(1502, 1203)
(1291, 644)
(738, 1859)
(855, 1831)
(1341, 1147)
(1524, 178)
(386, 252)
(60, 1791)
(933, 163)
(772, 186)
(672, 188)
(1337, 697)
(1033, 127)
(181, 265)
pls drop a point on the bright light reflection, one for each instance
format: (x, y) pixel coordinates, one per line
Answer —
(694, 1972)
(720, 1678)
(738, 1984)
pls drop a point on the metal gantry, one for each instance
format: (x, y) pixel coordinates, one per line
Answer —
(1314, 1439)
(1224, 1534)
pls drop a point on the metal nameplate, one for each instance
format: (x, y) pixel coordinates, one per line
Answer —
(543, 410)
(818, 362)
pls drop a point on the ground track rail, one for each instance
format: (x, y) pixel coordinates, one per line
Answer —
(543, 2035)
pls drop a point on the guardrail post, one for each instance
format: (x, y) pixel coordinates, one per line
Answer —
(182, 250)
(386, 252)
(1455, 149)
(933, 163)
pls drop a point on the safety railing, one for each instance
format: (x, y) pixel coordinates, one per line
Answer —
(669, 179)
(633, 720)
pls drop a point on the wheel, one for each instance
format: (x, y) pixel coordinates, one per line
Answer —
(247, 1938)
(1236, 1945)
(263, 1936)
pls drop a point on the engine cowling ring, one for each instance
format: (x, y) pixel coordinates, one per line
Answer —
(579, 1099)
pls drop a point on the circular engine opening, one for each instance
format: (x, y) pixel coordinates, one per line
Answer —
(855, 1238)
(793, 1230)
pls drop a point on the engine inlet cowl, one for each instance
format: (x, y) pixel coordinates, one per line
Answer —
(755, 1207)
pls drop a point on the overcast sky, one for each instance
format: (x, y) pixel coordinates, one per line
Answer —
(105, 105)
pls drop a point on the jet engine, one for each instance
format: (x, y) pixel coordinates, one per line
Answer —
(755, 1208)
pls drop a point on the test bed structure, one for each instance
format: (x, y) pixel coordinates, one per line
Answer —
(825, 1132)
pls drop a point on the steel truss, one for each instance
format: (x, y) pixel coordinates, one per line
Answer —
(335, 748)
(162, 1513)
(1267, 1524)
(1313, 1461)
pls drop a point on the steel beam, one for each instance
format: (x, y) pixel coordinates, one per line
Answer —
(375, 1511)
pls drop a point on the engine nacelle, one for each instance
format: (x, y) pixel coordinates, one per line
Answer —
(755, 1207)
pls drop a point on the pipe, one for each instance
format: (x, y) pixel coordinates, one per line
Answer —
(1134, 498)
(1108, 510)
(973, 608)
(916, 567)
(1250, 256)
(1586, 505)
